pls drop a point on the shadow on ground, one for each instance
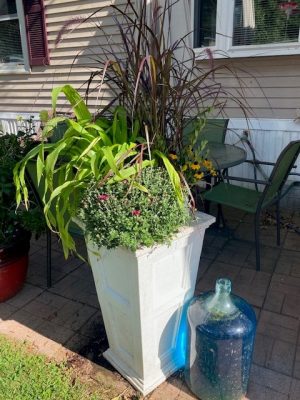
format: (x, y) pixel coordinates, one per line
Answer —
(68, 312)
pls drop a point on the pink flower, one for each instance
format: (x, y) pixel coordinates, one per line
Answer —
(289, 7)
(103, 197)
(136, 213)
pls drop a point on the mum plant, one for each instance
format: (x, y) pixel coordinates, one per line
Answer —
(124, 215)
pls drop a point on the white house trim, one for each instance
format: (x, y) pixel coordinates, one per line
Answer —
(224, 34)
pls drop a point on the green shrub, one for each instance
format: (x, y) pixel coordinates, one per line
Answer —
(121, 214)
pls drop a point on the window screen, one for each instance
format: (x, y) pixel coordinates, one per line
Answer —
(10, 43)
(10, 39)
(8, 7)
(265, 22)
(205, 23)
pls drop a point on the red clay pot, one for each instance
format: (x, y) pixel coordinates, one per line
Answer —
(13, 266)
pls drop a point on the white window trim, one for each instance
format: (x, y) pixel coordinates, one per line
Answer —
(224, 28)
(16, 68)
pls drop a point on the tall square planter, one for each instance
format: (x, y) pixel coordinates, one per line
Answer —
(142, 295)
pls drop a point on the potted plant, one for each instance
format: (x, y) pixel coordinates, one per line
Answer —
(123, 173)
(143, 244)
(15, 226)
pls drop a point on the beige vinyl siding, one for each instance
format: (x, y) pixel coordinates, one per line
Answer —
(271, 85)
(71, 61)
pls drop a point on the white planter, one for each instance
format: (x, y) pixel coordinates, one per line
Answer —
(142, 295)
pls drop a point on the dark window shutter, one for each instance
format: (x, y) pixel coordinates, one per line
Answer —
(36, 32)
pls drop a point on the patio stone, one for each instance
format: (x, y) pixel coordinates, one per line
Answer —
(259, 392)
(77, 342)
(245, 231)
(288, 263)
(60, 267)
(171, 389)
(296, 372)
(262, 349)
(285, 284)
(215, 271)
(74, 287)
(292, 241)
(28, 293)
(203, 266)
(295, 390)
(74, 315)
(282, 357)
(274, 301)
(273, 380)
(234, 253)
(6, 310)
(90, 327)
(27, 319)
(69, 313)
(291, 306)
(269, 257)
(278, 326)
(59, 334)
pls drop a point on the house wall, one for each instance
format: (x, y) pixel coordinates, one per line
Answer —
(30, 92)
(271, 85)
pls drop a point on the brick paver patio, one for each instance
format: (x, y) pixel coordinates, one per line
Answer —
(68, 313)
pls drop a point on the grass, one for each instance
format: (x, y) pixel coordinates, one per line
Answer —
(25, 375)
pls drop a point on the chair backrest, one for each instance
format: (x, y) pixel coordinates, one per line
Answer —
(213, 131)
(58, 132)
(281, 170)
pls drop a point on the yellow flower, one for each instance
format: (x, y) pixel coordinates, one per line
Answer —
(173, 156)
(207, 164)
(184, 167)
(213, 172)
(199, 176)
(195, 166)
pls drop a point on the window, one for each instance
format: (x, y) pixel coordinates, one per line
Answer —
(23, 39)
(241, 28)
(12, 54)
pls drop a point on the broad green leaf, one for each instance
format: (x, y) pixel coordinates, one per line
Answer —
(173, 175)
(78, 105)
(51, 125)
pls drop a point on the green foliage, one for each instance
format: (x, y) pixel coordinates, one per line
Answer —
(12, 149)
(274, 25)
(27, 376)
(122, 215)
(158, 80)
(101, 150)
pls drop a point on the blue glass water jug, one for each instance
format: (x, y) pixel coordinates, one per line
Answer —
(221, 330)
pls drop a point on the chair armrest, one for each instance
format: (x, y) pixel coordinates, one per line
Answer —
(235, 178)
(264, 163)
(259, 162)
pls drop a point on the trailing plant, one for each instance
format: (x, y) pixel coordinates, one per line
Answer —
(120, 214)
(12, 221)
(102, 150)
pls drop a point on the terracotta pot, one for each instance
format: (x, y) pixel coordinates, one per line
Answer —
(13, 265)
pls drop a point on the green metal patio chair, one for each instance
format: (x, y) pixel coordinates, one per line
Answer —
(38, 190)
(214, 130)
(253, 201)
